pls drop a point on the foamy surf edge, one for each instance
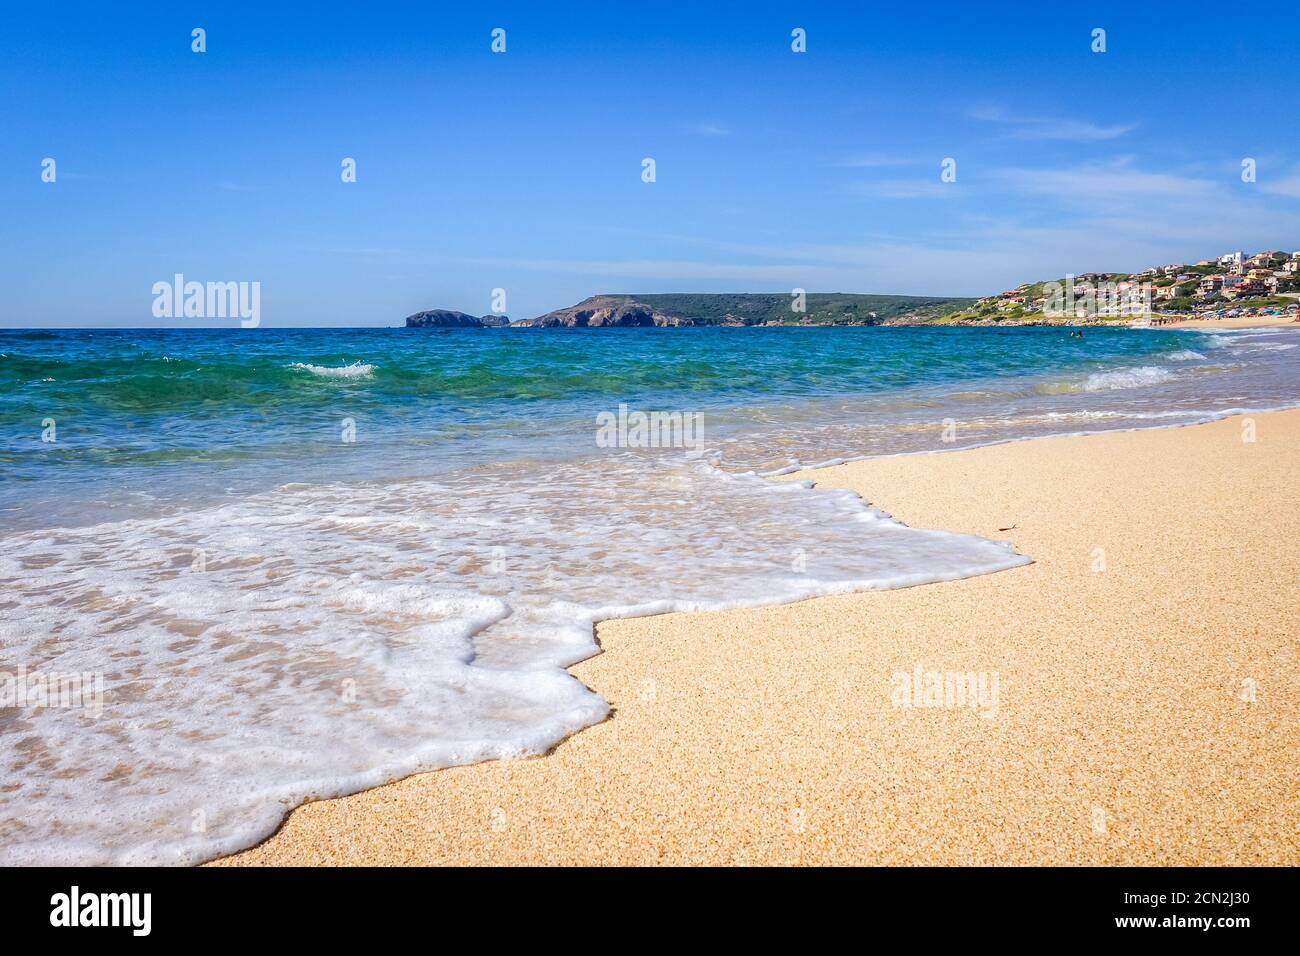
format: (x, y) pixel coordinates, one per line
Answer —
(1199, 418)
(348, 545)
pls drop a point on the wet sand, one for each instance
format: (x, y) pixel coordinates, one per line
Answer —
(1255, 322)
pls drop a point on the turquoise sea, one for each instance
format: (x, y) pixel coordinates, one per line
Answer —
(144, 418)
(303, 562)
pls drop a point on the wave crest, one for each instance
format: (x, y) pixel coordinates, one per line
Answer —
(355, 370)
(1126, 378)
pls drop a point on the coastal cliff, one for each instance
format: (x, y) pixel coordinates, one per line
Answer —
(607, 310)
(743, 309)
(1232, 286)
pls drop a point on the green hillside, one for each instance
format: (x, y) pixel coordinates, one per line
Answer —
(822, 307)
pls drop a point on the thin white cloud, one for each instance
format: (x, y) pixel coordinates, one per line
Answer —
(1288, 186)
(670, 269)
(1046, 127)
(1119, 205)
(1114, 180)
(873, 161)
(904, 189)
(710, 129)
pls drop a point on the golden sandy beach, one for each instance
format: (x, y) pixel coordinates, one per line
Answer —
(1147, 701)
(1248, 322)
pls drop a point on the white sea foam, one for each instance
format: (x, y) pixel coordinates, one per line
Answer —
(320, 639)
(1185, 355)
(1126, 378)
(355, 370)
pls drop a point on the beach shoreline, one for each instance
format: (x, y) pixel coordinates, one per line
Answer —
(1141, 675)
(1248, 322)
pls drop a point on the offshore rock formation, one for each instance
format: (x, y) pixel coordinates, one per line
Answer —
(443, 319)
(450, 319)
(606, 310)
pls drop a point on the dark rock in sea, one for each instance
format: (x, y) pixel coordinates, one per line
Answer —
(443, 319)
(495, 321)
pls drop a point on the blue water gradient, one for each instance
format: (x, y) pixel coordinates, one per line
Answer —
(146, 418)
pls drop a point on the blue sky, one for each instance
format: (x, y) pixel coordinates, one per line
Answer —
(522, 170)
